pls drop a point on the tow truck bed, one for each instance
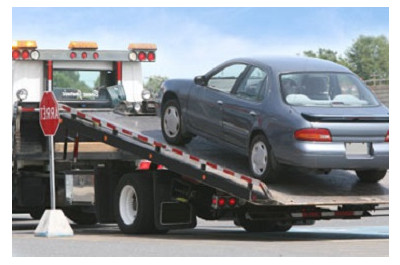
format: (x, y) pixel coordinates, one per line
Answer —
(337, 188)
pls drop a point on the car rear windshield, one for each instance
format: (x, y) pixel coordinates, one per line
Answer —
(325, 90)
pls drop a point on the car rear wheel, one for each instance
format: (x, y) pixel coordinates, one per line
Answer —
(171, 124)
(371, 176)
(261, 159)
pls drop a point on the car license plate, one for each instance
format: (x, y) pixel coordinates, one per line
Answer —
(357, 149)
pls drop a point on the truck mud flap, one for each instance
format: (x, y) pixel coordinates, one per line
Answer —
(170, 211)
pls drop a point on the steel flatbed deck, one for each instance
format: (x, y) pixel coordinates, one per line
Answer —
(220, 167)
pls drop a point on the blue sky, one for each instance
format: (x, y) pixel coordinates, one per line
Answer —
(192, 40)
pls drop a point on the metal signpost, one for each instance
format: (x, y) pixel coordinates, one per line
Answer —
(53, 222)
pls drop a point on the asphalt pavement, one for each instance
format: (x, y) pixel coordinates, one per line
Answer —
(368, 237)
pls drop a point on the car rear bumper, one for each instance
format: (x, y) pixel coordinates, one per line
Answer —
(333, 156)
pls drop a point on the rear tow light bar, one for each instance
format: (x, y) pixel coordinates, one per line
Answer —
(224, 202)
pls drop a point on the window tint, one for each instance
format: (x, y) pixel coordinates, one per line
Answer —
(325, 90)
(225, 79)
(251, 86)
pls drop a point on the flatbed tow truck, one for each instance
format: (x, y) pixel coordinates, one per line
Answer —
(117, 168)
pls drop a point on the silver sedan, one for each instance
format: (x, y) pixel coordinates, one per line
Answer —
(301, 112)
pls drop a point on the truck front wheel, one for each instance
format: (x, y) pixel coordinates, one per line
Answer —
(134, 204)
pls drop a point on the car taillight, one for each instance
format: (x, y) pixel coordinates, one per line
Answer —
(313, 135)
(387, 137)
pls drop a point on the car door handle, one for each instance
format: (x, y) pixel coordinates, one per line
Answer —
(219, 102)
(252, 113)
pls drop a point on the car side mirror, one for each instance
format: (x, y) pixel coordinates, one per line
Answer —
(200, 80)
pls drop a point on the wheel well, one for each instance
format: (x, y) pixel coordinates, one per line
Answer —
(169, 95)
(253, 134)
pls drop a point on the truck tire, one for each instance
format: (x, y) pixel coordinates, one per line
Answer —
(371, 176)
(134, 204)
(79, 216)
(261, 160)
(171, 123)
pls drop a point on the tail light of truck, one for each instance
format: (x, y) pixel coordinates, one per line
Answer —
(313, 135)
(16, 54)
(25, 54)
(387, 137)
(142, 56)
(151, 56)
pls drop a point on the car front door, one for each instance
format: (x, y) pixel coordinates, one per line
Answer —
(241, 111)
(205, 103)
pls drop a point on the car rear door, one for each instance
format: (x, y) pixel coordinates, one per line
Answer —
(205, 103)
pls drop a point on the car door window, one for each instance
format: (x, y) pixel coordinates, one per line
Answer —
(225, 79)
(251, 86)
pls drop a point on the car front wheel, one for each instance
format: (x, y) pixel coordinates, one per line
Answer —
(171, 124)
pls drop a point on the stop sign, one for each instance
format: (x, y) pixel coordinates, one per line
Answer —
(49, 116)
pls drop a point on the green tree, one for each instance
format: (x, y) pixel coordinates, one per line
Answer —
(327, 54)
(153, 84)
(369, 57)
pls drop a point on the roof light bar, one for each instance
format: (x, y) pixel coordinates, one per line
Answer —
(87, 45)
(142, 46)
(24, 44)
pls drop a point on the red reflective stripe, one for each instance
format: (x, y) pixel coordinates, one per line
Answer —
(229, 172)
(312, 214)
(214, 166)
(142, 138)
(344, 213)
(96, 120)
(177, 151)
(111, 126)
(127, 132)
(50, 70)
(159, 144)
(194, 158)
(81, 115)
(28, 109)
(66, 108)
(119, 71)
(246, 179)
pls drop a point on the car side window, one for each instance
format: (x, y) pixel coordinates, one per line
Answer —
(251, 86)
(225, 79)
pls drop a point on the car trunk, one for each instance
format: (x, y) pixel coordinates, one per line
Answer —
(349, 125)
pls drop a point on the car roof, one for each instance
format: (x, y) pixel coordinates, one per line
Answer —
(294, 64)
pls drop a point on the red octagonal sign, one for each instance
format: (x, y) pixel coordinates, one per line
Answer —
(49, 116)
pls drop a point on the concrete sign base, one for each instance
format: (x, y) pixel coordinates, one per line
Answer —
(53, 224)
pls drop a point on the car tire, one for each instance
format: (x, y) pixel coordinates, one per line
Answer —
(134, 204)
(171, 123)
(370, 176)
(261, 161)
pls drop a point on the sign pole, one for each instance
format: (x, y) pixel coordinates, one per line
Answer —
(51, 143)
(52, 174)
(53, 222)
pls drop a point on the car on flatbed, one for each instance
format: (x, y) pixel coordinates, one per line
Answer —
(303, 112)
